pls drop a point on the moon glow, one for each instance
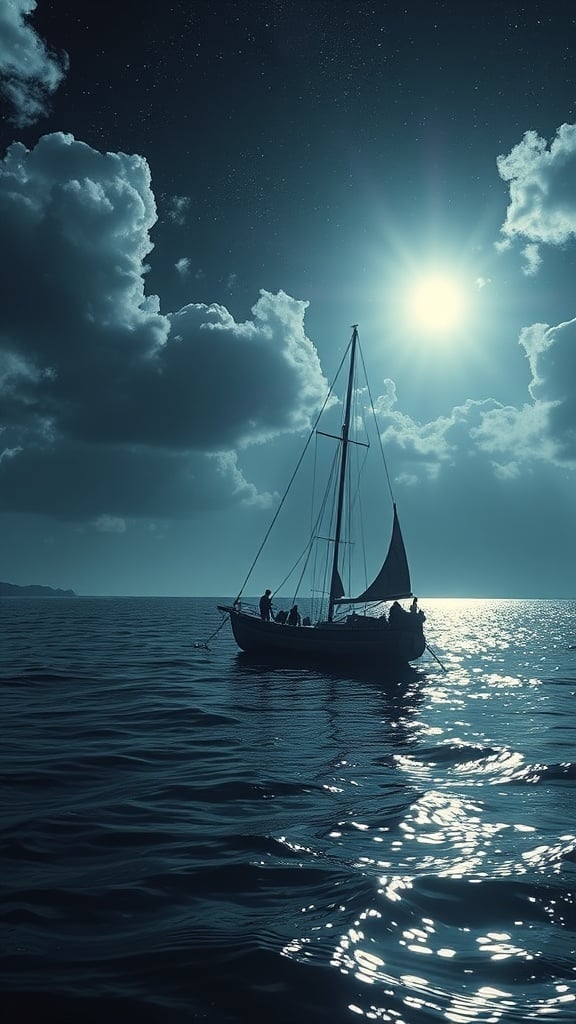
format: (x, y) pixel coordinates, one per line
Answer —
(436, 303)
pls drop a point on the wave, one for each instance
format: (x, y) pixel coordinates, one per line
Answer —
(185, 836)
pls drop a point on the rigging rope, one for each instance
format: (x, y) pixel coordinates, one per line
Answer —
(379, 436)
(315, 526)
(291, 481)
(204, 643)
(443, 667)
(377, 428)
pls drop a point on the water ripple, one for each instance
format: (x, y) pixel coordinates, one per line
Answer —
(191, 835)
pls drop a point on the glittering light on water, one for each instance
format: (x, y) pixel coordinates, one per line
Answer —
(449, 849)
(499, 948)
(393, 888)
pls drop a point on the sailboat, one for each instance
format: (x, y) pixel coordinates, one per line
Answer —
(335, 629)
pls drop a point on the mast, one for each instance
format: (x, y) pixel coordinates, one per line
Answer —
(335, 578)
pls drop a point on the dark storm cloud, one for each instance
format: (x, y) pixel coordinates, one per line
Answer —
(72, 482)
(29, 72)
(87, 359)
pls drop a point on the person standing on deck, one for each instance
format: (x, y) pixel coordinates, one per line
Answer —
(266, 606)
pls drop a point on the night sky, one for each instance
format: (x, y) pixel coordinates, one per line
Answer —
(198, 199)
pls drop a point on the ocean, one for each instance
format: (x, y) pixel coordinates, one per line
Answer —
(188, 835)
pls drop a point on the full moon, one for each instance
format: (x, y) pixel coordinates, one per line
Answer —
(436, 303)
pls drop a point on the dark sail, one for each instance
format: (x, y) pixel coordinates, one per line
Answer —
(393, 580)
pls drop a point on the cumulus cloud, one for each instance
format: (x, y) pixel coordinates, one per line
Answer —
(542, 183)
(443, 441)
(542, 211)
(111, 410)
(551, 353)
(502, 438)
(109, 407)
(29, 72)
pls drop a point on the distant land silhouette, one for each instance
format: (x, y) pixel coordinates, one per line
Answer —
(12, 590)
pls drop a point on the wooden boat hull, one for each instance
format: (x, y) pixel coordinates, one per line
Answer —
(360, 641)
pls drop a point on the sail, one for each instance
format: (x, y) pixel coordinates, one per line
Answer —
(393, 580)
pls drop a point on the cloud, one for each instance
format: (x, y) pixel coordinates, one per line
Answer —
(110, 524)
(542, 207)
(104, 483)
(542, 211)
(551, 353)
(29, 72)
(110, 408)
(183, 266)
(502, 438)
(533, 258)
(178, 207)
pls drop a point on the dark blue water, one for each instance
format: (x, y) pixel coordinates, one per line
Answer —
(189, 836)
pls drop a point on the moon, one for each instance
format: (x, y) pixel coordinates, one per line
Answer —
(436, 303)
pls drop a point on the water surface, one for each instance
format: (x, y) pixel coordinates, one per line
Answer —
(189, 835)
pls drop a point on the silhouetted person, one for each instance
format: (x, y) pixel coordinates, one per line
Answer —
(395, 614)
(419, 617)
(294, 616)
(266, 606)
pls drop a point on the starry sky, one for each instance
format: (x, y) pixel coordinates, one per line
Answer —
(197, 200)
